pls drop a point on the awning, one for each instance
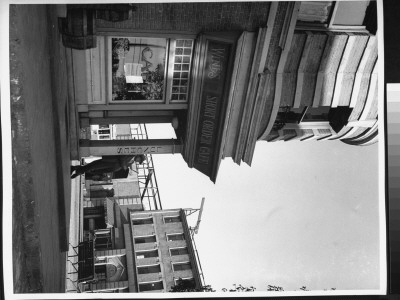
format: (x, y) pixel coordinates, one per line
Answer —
(109, 212)
(339, 116)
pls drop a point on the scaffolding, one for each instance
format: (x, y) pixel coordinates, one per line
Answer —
(148, 187)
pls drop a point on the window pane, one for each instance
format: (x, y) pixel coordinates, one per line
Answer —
(99, 269)
(145, 239)
(174, 219)
(187, 282)
(151, 286)
(138, 67)
(179, 251)
(149, 269)
(182, 266)
(176, 237)
(142, 221)
(183, 56)
(146, 254)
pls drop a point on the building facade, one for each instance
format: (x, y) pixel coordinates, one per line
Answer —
(227, 75)
(155, 251)
(127, 242)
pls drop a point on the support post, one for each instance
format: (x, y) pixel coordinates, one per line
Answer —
(129, 147)
(130, 120)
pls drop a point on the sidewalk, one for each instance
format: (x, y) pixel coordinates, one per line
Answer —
(41, 149)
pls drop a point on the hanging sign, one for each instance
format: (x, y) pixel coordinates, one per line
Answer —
(211, 106)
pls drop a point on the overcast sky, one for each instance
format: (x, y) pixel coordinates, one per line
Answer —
(305, 213)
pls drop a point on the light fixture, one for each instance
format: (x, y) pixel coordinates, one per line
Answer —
(133, 73)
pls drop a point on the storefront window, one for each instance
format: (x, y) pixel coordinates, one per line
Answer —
(150, 69)
(182, 61)
(138, 68)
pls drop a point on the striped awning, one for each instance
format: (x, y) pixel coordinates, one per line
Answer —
(109, 212)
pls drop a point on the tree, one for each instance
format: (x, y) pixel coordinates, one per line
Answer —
(189, 286)
(274, 288)
(240, 288)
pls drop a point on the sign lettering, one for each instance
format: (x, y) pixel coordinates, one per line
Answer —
(217, 57)
(204, 155)
(207, 132)
(139, 150)
(207, 143)
(211, 107)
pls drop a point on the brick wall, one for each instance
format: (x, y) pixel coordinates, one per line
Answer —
(195, 17)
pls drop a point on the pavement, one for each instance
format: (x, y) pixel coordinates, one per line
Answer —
(75, 233)
(41, 142)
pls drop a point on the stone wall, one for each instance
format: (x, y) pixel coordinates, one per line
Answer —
(194, 17)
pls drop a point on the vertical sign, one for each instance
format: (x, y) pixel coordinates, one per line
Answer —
(214, 78)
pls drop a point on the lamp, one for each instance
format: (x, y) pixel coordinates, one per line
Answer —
(133, 73)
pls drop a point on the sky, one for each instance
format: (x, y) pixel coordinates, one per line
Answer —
(304, 214)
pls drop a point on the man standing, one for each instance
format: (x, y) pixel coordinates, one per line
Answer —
(108, 164)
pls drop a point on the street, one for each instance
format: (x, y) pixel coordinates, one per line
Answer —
(41, 156)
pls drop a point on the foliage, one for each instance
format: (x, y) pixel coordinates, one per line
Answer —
(240, 288)
(120, 87)
(153, 90)
(189, 286)
(120, 47)
(274, 288)
(185, 286)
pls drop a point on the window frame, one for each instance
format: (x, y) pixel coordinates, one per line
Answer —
(181, 263)
(171, 217)
(147, 250)
(178, 233)
(109, 50)
(143, 236)
(184, 278)
(145, 218)
(151, 265)
(182, 247)
(149, 282)
(329, 25)
(168, 71)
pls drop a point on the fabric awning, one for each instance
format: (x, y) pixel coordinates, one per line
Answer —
(109, 212)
